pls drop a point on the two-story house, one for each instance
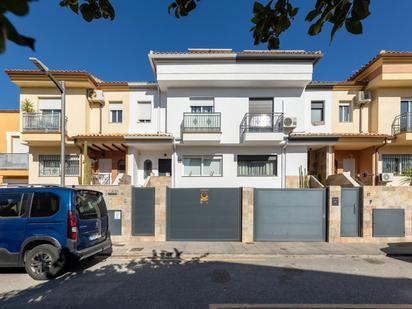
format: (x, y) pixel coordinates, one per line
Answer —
(97, 126)
(230, 113)
(370, 133)
(13, 152)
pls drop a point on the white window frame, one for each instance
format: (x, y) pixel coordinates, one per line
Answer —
(345, 104)
(117, 110)
(202, 159)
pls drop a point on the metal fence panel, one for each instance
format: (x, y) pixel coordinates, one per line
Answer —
(143, 211)
(351, 205)
(290, 215)
(218, 218)
(388, 222)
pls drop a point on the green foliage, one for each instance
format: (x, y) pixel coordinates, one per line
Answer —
(408, 176)
(89, 9)
(274, 17)
(27, 106)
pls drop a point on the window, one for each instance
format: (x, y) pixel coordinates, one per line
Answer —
(201, 109)
(11, 204)
(202, 105)
(260, 105)
(147, 167)
(116, 112)
(50, 165)
(144, 111)
(90, 205)
(396, 163)
(44, 204)
(208, 166)
(345, 112)
(121, 166)
(257, 165)
(317, 111)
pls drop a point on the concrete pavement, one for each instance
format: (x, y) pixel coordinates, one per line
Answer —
(303, 281)
(133, 249)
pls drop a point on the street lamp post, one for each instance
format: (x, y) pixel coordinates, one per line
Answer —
(62, 88)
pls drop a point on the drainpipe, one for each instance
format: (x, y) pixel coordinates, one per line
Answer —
(174, 163)
(385, 142)
(158, 109)
(100, 119)
(284, 145)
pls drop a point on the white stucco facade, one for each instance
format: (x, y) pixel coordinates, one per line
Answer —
(228, 83)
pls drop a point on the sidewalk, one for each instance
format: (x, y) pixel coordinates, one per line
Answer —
(263, 249)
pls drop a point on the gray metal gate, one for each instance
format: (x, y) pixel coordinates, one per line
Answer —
(143, 211)
(204, 214)
(290, 214)
(351, 205)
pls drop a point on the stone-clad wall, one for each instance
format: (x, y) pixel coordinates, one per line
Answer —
(373, 197)
(117, 198)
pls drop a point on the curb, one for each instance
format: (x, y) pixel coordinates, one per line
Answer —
(247, 256)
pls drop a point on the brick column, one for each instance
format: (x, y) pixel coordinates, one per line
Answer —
(334, 214)
(247, 215)
(160, 213)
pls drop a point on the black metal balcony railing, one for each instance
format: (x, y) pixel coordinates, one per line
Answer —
(270, 122)
(14, 161)
(402, 124)
(41, 122)
(201, 122)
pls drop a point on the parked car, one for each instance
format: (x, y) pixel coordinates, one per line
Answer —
(42, 227)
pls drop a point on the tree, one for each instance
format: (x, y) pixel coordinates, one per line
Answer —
(270, 17)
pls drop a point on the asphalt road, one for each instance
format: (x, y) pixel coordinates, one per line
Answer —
(277, 282)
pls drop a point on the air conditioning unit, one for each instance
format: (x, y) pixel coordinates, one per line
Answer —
(95, 96)
(364, 97)
(386, 177)
(290, 122)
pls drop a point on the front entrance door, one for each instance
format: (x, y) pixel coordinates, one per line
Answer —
(349, 165)
(165, 167)
(105, 171)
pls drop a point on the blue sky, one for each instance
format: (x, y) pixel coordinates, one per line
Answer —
(117, 51)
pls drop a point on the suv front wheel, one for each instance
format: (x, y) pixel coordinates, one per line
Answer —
(43, 262)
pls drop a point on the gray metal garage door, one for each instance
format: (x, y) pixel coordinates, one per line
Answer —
(290, 215)
(204, 214)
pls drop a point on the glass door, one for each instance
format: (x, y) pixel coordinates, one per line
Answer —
(406, 115)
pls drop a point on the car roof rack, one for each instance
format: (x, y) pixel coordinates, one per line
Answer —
(29, 186)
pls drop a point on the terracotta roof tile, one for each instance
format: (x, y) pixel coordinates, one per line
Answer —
(382, 53)
(121, 135)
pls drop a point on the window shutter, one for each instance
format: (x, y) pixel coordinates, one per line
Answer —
(49, 103)
(261, 106)
(144, 111)
(115, 106)
(201, 102)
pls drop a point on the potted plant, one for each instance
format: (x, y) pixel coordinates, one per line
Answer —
(27, 106)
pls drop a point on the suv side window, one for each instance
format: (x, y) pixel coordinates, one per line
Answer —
(88, 205)
(44, 204)
(11, 204)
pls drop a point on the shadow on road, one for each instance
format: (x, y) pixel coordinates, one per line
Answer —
(399, 250)
(166, 280)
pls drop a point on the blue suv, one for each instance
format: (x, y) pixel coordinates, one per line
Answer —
(41, 227)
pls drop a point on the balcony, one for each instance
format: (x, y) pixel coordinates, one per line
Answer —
(41, 122)
(402, 124)
(258, 128)
(14, 161)
(201, 127)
